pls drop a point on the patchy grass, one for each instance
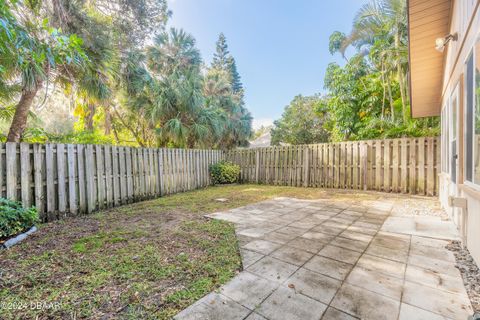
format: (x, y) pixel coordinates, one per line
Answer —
(147, 260)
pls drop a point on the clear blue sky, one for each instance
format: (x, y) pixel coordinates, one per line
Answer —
(281, 46)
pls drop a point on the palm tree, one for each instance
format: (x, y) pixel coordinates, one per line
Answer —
(95, 85)
(177, 110)
(216, 83)
(235, 120)
(33, 55)
(173, 51)
(384, 23)
(110, 28)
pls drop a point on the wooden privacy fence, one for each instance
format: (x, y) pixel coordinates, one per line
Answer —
(61, 180)
(65, 179)
(408, 165)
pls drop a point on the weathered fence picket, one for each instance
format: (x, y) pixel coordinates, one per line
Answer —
(408, 165)
(65, 179)
(62, 180)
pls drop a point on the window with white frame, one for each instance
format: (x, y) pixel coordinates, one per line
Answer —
(472, 116)
(453, 135)
(445, 139)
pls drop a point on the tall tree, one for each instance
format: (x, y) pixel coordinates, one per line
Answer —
(178, 111)
(33, 54)
(302, 122)
(345, 97)
(223, 60)
(236, 81)
(383, 24)
(113, 28)
(220, 57)
(367, 97)
(235, 120)
(237, 127)
(121, 91)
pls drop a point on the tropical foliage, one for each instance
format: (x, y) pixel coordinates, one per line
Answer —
(93, 55)
(14, 218)
(367, 97)
(224, 172)
(33, 54)
(302, 122)
(102, 71)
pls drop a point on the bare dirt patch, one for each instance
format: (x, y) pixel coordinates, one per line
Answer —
(136, 261)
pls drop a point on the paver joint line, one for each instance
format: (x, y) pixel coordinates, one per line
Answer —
(335, 259)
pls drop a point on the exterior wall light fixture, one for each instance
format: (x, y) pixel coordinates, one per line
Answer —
(440, 43)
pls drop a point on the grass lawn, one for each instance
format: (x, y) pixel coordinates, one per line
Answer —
(147, 260)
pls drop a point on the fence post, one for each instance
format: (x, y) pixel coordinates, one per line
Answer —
(413, 166)
(72, 189)
(430, 167)
(61, 186)
(404, 160)
(50, 175)
(90, 178)
(257, 165)
(11, 166)
(38, 178)
(25, 173)
(41, 181)
(306, 167)
(363, 165)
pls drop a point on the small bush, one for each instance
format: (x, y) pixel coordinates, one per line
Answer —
(14, 218)
(224, 172)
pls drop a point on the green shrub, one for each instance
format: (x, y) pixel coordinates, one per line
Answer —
(224, 172)
(14, 218)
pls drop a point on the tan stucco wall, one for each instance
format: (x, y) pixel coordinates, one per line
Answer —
(466, 22)
(472, 215)
(473, 224)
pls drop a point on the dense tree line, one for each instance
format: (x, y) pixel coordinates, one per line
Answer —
(367, 97)
(303, 122)
(122, 88)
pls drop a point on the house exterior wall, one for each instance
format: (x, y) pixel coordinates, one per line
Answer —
(465, 21)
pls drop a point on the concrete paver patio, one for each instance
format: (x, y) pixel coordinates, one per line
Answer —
(339, 259)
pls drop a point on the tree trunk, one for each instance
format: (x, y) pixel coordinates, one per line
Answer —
(115, 134)
(190, 142)
(384, 92)
(390, 99)
(60, 16)
(134, 132)
(108, 122)
(19, 122)
(401, 80)
(88, 122)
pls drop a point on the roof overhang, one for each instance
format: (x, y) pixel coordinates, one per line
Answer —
(427, 21)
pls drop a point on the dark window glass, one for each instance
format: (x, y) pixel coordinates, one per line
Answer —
(476, 119)
(453, 141)
(444, 140)
(469, 119)
(453, 169)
